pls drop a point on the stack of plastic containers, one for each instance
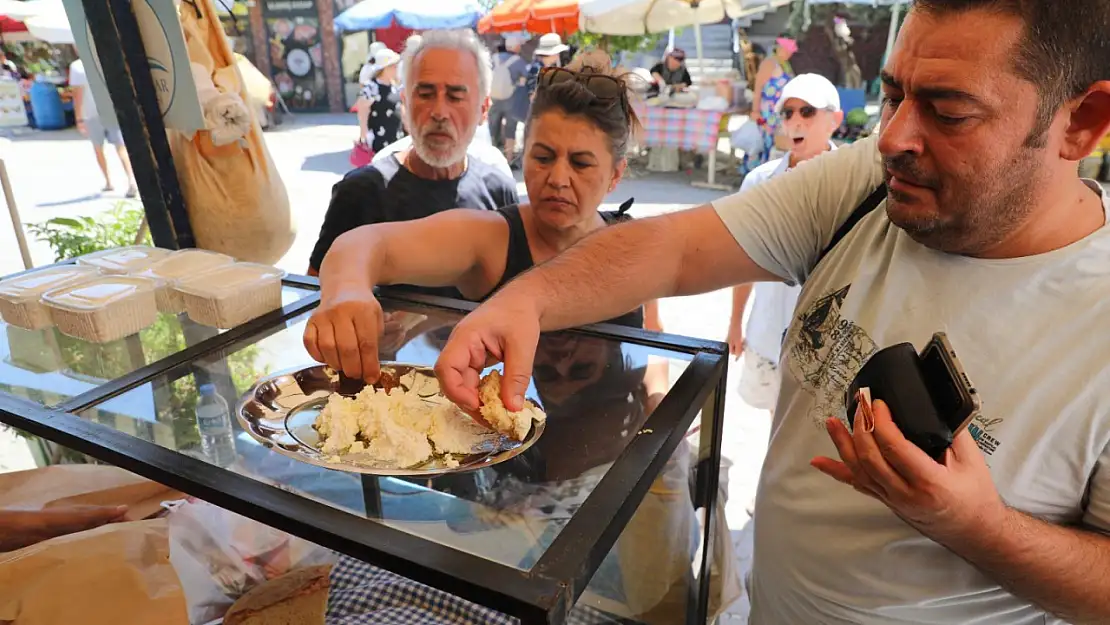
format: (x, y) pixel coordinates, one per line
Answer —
(115, 293)
(230, 295)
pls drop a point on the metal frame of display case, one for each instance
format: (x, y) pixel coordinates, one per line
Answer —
(544, 594)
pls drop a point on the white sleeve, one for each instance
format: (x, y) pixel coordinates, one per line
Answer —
(784, 223)
(1096, 513)
(364, 74)
(77, 77)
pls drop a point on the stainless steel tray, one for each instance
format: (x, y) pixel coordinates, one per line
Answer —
(280, 410)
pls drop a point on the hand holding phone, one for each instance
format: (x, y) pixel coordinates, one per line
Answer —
(930, 396)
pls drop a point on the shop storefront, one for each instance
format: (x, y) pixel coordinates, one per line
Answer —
(293, 32)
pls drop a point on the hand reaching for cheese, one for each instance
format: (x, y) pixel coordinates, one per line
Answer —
(515, 425)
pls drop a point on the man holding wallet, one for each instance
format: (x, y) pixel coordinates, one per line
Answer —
(965, 216)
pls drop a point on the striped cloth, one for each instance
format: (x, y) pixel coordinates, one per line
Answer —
(363, 594)
(685, 129)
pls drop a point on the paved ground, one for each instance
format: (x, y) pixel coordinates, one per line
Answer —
(54, 174)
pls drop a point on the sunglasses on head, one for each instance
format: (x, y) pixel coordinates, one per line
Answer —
(807, 112)
(603, 87)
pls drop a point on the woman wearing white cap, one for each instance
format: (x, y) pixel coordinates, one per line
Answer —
(384, 97)
(365, 78)
(549, 53)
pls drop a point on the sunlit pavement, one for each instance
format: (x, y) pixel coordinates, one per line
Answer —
(54, 174)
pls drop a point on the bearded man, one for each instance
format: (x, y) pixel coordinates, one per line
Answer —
(446, 97)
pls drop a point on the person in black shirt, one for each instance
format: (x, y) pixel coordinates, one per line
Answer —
(579, 129)
(445, 94)
(384, 97)
(671, 72)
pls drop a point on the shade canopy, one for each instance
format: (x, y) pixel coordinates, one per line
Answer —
(411, 14)
(534, 16)
(640, 17)
(35, 19)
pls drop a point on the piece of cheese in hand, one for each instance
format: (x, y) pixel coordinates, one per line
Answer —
(515, 425)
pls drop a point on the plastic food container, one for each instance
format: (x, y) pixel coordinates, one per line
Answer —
(104, 309)
(19, 296)
(124, 260)
(230, 295)
(180, 264)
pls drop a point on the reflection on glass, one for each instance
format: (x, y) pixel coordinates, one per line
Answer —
(597, 394)
(48, 367)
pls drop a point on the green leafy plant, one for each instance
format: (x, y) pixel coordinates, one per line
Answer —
(118, 227)
(70, 237)
(615, 44)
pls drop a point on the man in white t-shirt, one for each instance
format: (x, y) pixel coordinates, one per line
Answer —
(985, 232)
(90, 124)
(810, 110)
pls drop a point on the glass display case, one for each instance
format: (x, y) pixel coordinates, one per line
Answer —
(609, 513)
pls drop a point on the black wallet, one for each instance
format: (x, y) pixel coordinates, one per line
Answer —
(894, 375)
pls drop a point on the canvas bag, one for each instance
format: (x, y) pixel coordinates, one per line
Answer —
(236, 200)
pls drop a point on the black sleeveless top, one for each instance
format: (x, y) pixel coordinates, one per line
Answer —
(519, 256)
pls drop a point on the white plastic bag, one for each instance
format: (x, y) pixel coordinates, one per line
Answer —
(219, 555)
(747, 138)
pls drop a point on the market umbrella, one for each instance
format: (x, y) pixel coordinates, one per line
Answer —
(42, 19)
(534, 16)
(412, 14)
(12, 29)
(643, 17)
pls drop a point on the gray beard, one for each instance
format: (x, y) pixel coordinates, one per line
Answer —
(436, 159)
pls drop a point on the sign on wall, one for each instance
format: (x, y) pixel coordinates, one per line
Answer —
(166, 53)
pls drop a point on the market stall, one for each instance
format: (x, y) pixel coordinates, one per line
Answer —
(535, 537)
(690, 129)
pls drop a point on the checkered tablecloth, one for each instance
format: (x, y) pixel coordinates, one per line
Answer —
(685, 129)
(363, 594)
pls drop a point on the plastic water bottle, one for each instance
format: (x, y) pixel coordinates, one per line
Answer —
(217, 439)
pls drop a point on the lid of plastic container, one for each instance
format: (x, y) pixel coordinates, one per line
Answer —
(228, 278)
(98, 293)
(184, 263)
(31, 285)
(131, 259)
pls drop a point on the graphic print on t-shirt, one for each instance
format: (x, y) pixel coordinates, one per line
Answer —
(826, 352)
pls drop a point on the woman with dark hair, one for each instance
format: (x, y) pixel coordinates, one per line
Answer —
(578, 133)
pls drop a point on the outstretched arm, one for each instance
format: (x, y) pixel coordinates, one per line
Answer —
(773, 232)
(345, 330)
(682, 253)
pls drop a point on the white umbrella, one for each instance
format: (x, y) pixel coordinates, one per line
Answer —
(643, 17)
(19, 10)
(44, 19)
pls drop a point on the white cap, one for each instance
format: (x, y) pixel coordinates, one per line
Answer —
(516, 39)
(813, 89)
(386, 57)
(550, 45)
(375, 48)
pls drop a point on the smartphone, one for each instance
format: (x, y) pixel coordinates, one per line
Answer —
(955, 398)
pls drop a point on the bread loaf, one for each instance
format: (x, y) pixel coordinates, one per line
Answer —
(299, 597)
